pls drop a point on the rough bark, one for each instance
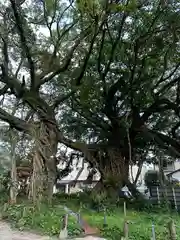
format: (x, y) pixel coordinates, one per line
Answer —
(38, 179)
(44, 163)
(13, 188)
(114, 171)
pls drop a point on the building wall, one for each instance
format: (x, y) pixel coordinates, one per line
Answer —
(133, 173)
(84, 174)
(170, 168)
(79, 187)
(176, 175)
(177, 165)
(76, 169)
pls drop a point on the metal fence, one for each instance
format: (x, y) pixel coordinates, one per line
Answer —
(172, 194)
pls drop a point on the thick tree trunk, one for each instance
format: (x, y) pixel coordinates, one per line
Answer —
(44, 163)
(13, 188)
(114, 171)
(38, 179)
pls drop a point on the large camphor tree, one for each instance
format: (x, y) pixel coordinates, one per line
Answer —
(96, 69)
(129, 101)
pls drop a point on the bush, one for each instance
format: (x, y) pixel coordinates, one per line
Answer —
(45, 219)
(113, 233)
(86, 199)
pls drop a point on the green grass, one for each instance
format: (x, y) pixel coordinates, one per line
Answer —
(47, 220)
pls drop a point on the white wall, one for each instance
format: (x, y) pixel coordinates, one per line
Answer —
(167, 171)
(177, 164)
(145, 168)
(85, 172)
(76, 168)
(176, 176)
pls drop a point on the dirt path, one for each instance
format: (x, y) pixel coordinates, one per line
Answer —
(6, 233)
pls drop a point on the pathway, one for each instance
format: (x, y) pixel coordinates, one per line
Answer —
(6, 233)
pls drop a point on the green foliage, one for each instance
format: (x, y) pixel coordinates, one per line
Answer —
(44, 219)
(47, 219)
(50, 5)
(117, 7)
(121, 58)
(145, 53)
(98, 201)
(90, 8)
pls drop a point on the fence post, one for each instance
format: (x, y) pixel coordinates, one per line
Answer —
(157, 188)
(153, 232)
(79, 214)
(64, 232)
(174, 198)
(105, 219)
(126, 230)
(172, 230)
(125, 210)
(126, 225)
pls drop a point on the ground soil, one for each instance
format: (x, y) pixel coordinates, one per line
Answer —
(7, 233)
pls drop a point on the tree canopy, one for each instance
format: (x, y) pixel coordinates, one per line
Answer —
(101, 77)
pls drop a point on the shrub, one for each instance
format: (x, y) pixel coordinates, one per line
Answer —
(45, 219)
(113, 233)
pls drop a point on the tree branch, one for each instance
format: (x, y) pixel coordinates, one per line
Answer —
(169, 144)
(89, 116)
(109, 100)
(174, 129)
(66, 61)
(4, 90)
(57, 44)
(86, 59)
(114, 45)
(61, 99)
(167, 86)
(24, 42)
(99, 61)
(95, 122)
(158, 105)
(10, 82)
(13, 121)
(79, 146)
(168, 77)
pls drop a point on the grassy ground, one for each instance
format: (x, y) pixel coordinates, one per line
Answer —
(47, 219)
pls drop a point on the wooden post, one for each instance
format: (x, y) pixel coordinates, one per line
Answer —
(126, 230)
(64, 233)
(158, 197)
(172, 230)
(125, 210)
(79, 214)
(153, 232)
(126, 225)
(174, 198)
(105, 220)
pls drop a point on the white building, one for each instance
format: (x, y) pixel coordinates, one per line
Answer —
(67, 181)
(171, 169)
